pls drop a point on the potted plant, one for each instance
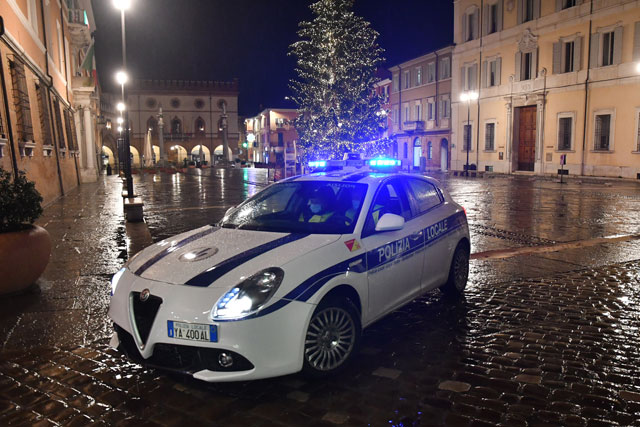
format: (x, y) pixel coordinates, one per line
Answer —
(25, 248)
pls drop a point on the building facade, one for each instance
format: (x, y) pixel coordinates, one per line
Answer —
(557, 82)
(187, 118)
(272, 136)
(420, 103)
(40, 56)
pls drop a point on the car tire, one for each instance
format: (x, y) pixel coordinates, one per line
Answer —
(458, 272)
(332, 338)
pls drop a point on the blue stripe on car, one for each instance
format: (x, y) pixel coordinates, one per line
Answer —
(157, 257)
(217, 271)
(313, 284)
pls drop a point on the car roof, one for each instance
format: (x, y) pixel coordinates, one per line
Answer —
(360, 176)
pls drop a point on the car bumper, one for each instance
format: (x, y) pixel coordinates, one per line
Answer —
(264, 346)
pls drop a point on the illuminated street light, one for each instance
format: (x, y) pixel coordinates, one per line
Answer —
(120, 106)
(120, 120)
(467, 97)
(122, 4)
(119, 128)
(122, 77)
(638, 67)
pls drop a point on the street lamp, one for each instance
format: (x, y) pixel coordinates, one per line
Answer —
(120, 120)
(638, 67)
(467, 97)
(122, 78)
(120, 107)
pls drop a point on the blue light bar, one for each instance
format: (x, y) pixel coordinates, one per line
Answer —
(384, 162)
(318, 164)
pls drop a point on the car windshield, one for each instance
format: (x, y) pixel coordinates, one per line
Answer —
(315, 207)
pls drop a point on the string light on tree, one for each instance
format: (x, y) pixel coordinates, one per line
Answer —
(337, 58)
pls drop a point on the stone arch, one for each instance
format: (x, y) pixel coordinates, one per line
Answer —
(177, 153)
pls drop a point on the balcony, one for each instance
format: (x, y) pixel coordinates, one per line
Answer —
(78, 17)
(413, 126)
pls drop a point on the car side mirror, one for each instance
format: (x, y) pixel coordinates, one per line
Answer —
(390, 222)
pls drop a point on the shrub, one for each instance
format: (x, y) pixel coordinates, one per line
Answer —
(20, 202)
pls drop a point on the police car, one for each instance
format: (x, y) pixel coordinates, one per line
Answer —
(288, 279)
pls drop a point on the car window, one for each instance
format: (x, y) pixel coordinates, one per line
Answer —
(425, 194)
(316, 207)
(390, 198)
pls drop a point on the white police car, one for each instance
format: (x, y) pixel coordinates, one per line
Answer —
(288, 279)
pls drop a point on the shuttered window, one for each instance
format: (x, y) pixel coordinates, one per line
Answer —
(21, 104)
(489, 136)
(602, 132)
(58, 114)
(565, 125)
(45, 122)
(70, 128)
(608, 40)
(466, 145)
(638, 133)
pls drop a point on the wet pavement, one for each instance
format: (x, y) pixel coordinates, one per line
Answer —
(543, 338)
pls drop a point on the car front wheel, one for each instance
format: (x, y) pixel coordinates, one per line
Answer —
(458, 272)
(332, 338)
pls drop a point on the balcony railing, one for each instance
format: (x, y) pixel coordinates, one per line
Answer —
(413, 126)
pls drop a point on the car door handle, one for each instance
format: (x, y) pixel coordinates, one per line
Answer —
(416, 236)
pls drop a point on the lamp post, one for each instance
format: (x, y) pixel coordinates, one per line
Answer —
(467, 97)
(122, 78)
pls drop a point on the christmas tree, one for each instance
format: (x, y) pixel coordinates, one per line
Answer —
(337, 58)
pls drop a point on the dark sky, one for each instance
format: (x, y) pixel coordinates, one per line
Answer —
(248, 40)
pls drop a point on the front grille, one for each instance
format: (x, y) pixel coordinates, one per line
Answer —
(181, 358)
(144, 313)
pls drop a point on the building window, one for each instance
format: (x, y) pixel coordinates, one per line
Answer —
(45, 123)
(567, 56)
(638, 131)
(528, 10)
(491, 70)
(526, 65)
(489, 136)
(602, 138)
(200, 126)
(608, 40)
(466, 135)
(445, 107)
(407, 113)
(152, 125)
(431, 72)
(470, 24)
(565, 132)
(58, 117)
(407, 77)
(445, 68)
(405, 151)
(565, 4)
(21, 102)
(418, 110)
(469, 75)
(396, 86)
(418, 76)
(493, 18)
(176, 126)
(70, 127)
(429, 150)
(431, 106)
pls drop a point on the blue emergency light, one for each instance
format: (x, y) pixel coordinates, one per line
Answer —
(384, 163)
(318, 164)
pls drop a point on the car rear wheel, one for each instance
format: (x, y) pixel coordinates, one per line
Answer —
(332, 338)
(458, 272)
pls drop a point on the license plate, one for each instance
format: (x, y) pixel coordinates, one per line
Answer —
(192, 331)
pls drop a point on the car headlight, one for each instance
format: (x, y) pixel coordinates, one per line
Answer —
(249, 296)
(116, 279)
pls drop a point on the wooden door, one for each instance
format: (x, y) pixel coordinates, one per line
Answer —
(527, 139)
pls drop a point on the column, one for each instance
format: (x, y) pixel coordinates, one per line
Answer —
(89, 172)
(508, 146)
(81, 148)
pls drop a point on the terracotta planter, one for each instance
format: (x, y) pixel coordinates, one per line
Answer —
(23, 257)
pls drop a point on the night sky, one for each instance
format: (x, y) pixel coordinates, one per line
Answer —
(248, 40)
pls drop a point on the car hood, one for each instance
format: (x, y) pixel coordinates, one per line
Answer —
(213, 256)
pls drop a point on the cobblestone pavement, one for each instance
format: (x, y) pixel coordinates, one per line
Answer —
(537, 340)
